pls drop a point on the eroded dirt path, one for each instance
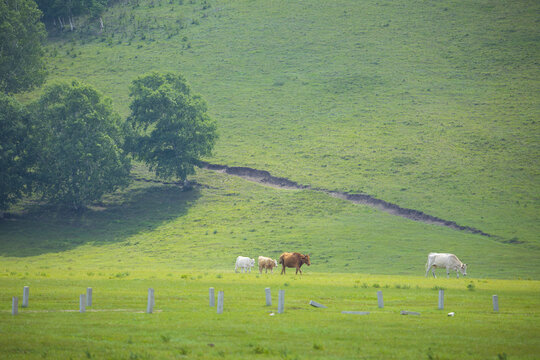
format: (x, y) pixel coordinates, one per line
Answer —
(265, 178)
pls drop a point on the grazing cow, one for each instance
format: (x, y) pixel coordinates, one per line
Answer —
(266, 263)
(293, 260)
(448, 261)
(244, 263)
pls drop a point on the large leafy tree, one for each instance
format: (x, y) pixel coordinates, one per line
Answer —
(14, 159)
(170, 129)
(21, 54)
(79, 139)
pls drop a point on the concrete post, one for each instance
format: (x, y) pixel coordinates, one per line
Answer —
(82, 303)
(441, 299)
(150, 304)
(26, 295)
(268, 297)
(211, 297)
(380, 301)
(14, 305)
(89, 296)
(220, 299)
(495, 303)
(281, 301)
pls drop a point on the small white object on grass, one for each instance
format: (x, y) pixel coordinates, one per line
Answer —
(451, 313)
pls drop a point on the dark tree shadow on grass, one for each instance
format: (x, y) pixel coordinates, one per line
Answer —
(41, 229)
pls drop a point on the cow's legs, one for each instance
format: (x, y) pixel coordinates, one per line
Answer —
(235, 268)
(457, 273)
(433, 272)
(429, 265)
(283, 270)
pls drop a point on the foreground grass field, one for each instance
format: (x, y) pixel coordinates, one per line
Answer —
(184, 326)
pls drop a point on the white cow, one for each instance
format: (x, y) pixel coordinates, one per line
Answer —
(244, 263)
(448, 261)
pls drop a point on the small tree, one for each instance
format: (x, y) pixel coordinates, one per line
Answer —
(21, 54)
(170, 130)
(79, 145)
(14, 161)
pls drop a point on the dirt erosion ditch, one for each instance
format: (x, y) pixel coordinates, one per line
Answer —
(264, 177)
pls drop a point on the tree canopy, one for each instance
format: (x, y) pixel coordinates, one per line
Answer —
(14, 161)
(21, 54)
(79, 141)
(170, 129)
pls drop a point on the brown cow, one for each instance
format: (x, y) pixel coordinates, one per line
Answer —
(293, 260)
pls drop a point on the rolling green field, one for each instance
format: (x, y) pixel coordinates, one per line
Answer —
(432, 106)
(162, 227)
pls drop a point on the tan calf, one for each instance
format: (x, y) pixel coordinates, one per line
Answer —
(266, 263)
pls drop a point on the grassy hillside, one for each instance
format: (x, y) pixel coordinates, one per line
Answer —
(432, 106)
(162, 228)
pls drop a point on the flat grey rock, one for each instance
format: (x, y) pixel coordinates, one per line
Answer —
(403, 312)
(316, 304)
(356, 312)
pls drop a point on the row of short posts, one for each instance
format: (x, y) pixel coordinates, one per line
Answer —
(86, 300)
(380, 301)
(268, 295)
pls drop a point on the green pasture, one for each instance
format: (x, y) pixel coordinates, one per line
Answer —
(162, 227)
(430, 105)
(184, 326)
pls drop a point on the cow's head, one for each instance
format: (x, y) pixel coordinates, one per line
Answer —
(463, 269)
(251, 262)
(275, 262)
(305, 260)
